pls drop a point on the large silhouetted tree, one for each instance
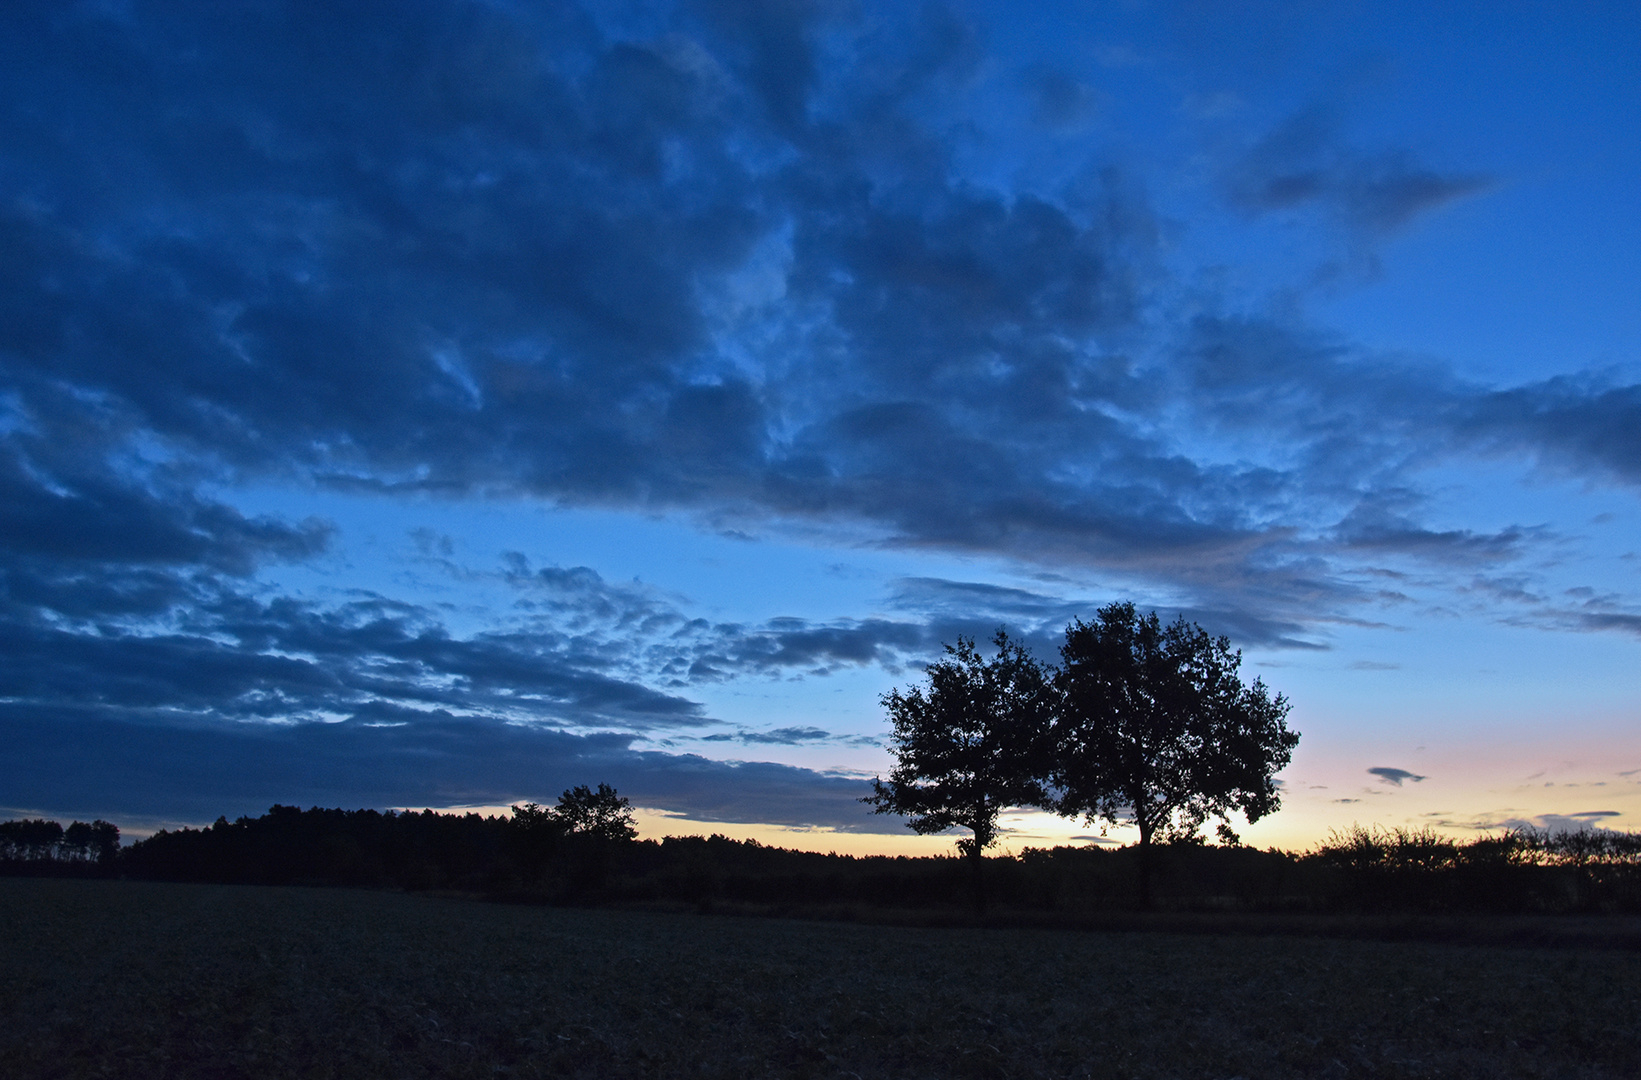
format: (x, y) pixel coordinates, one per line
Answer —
(969, 746)
(1155, 728)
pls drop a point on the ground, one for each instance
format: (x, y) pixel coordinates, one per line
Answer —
(132, 979)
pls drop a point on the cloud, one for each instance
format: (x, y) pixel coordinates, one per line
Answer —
(927, 594)
(1583, 424)
(86, 538)
(785, 644)
(976, 609)
(653, 634)
(1302, 162)
(786, 736)
(103, 519)
(1059, 101)
(1587, 612)
(1394, 776)
(233, 658)
(1380, 533)
(153, 766)
(1555, 823)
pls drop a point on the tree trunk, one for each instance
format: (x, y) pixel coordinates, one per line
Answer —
(977, 856)
(1145, 864)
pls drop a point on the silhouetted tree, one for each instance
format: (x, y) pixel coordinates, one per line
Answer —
(601, 813)
(535, 834)
(1156, 729)
(596, 825)
(969, 746)
(76, 845)
(105, 844)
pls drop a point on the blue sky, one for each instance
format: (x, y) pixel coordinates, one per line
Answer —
(444, 403)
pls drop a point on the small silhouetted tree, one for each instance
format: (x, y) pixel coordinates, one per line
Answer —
(596, 825)
(1156, 729)
(534, 834)
(105, 844)
(969, 746)
(76, 845)
(602, 813)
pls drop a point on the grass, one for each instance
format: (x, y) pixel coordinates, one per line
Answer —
(132, 979)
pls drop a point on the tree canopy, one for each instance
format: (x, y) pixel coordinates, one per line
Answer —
(970, 745)
(1156, 728)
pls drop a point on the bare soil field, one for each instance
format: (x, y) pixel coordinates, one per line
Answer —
(130, 979)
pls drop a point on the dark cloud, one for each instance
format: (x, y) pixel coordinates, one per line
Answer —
(152, 766)
(1552, 823)
(1371, 531)
(1394, 776)
(1303, 162)
(1583, 423)
(1058, 100)
(786, 736)
(976, 609)
(968, 598)
(1627, 622)
(79, 520)
(783, 644)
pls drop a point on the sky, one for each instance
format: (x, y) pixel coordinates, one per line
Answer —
(440, 403)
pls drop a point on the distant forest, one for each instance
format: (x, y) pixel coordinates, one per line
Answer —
(586, 854)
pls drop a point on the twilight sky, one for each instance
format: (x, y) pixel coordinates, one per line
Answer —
(442, 403)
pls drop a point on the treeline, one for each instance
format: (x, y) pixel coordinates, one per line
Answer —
(571, 854)
(1518, 870)
(366, 848)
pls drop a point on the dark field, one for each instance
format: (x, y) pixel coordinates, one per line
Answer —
(130, 979)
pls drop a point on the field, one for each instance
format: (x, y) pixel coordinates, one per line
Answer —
(129, 979)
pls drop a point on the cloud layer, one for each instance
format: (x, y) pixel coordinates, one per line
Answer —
(735, 262)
